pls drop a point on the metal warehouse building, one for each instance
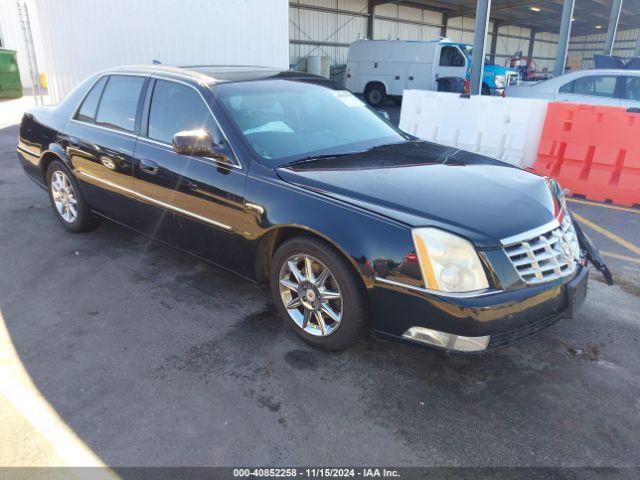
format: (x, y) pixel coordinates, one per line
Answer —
(73, 38)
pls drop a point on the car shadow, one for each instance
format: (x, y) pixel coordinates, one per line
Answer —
(153, 357)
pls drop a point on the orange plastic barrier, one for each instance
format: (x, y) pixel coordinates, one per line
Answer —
(593, 151)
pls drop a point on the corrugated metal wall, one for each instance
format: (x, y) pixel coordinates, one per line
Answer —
(325, 32)
(327, 27)
(585, 46)
(81, 37)
(406, 23)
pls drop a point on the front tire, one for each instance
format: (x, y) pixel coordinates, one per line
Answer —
(67, 201)
(318, 293)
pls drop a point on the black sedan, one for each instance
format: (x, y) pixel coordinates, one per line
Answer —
(287, 178)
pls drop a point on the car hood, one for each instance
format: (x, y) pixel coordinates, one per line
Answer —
(424, 184)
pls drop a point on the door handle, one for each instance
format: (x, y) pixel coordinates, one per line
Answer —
(149, 166)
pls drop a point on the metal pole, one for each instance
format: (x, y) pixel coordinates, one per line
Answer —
(636, 53)
(494, 41)
(616, 8)
(563, 39)
(443, 28)
(532, 44)
(371, 19)
(479, 38)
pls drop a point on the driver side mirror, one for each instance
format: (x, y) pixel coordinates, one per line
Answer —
(196, 143)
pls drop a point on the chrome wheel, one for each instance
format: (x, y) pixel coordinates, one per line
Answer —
(64, 196)
(310, 295)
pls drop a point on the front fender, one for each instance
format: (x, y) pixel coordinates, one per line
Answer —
(375, 245)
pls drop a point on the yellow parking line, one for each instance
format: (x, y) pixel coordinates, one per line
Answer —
(611, 236)
(604, 205)
(621, 257)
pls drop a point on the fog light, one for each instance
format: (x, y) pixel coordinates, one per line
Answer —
(447, 340)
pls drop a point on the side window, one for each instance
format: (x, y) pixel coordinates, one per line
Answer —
(631, 88)
(119, 102)
(451, 57)
(595, 85)
(176, 107)
(87, 111)
(567, 88)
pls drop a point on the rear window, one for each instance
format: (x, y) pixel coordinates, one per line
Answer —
(87, 111)
(119, 102)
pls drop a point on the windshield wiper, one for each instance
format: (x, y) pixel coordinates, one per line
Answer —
(378, 147)
(313, 158)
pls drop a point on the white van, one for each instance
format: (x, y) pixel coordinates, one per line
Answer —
(381, 68)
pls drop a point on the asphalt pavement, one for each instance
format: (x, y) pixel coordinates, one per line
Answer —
(150, 357)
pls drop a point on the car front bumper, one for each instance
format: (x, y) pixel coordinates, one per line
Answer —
(505, 317)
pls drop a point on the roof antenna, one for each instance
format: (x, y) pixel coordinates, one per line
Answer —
(156, 62)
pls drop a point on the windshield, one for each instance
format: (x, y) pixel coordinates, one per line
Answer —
(287, 120)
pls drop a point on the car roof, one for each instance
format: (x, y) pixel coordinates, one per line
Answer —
(212, 74)
(606, 71)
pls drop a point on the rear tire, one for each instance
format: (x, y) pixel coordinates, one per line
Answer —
(375, 94)
(485, 89)
(340, 299)
(67, 201)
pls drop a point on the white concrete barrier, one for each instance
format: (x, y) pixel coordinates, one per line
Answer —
(507, 129)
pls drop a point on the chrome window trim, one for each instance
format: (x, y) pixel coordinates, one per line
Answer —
(104, 74)
(157, 202)
(534, 232)
(237, 163)
(113, 130)
(475, 293)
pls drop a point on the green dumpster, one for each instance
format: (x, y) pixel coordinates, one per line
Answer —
(10, 86)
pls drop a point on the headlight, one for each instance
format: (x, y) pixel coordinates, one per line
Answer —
(449, 263)
(499, 81)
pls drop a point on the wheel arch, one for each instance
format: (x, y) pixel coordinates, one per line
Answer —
(277, 235)
(372, 83)
(54, 152)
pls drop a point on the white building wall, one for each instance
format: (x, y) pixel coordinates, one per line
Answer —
(81, 37)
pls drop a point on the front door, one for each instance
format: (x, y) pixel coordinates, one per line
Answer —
(450, 62)
(195, 203)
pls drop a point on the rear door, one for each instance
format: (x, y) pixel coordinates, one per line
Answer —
(450, 62)
(101, 141)
(195, 203)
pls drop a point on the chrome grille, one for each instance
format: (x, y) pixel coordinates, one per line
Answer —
(547, 256)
